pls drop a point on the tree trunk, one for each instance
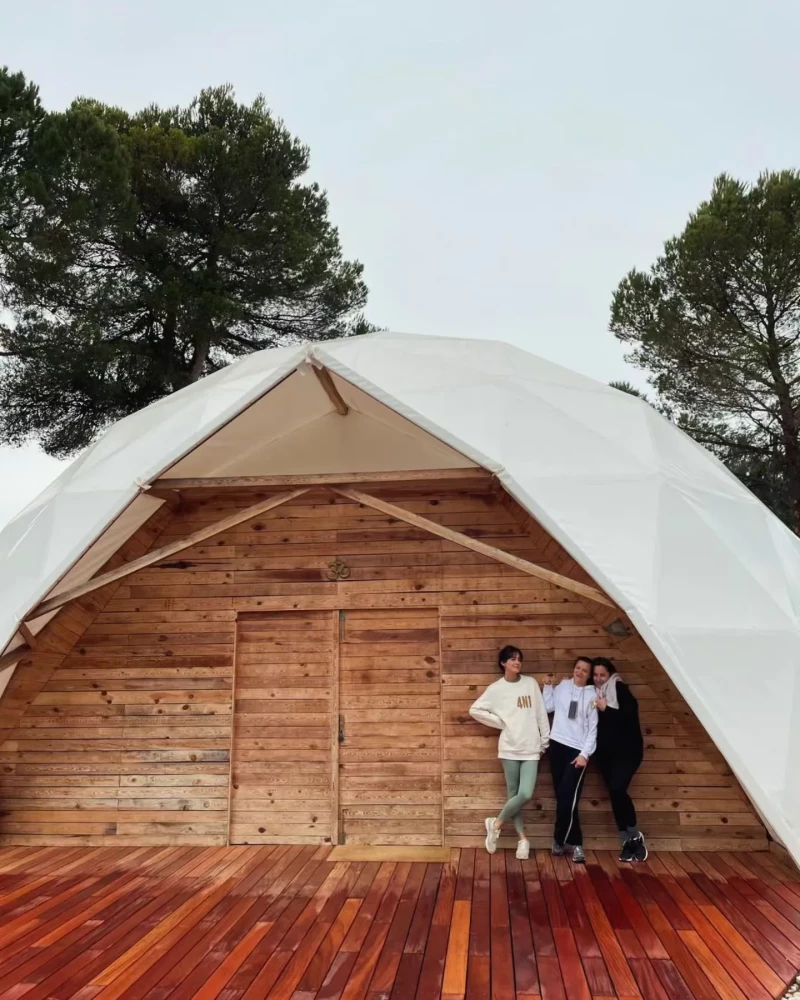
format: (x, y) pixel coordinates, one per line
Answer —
(201, 348)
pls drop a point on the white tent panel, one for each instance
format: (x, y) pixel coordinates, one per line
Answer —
(707, 575)
(789, 572)
(681, 599)
(750, 718)
(637, 553)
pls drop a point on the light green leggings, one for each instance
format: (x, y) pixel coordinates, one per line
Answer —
(520, 782)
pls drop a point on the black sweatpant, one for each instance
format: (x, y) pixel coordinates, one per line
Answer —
(618, 770)
(568, 785)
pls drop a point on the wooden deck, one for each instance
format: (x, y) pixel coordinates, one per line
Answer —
(294, 923)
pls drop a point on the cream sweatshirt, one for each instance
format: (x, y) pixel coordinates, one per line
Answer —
(517, 709)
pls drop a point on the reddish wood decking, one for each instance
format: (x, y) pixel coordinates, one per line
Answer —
(286, 922)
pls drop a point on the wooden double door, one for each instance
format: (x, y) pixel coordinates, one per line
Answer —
(337, 730)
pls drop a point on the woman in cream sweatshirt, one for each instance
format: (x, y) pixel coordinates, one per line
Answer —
(515, 706)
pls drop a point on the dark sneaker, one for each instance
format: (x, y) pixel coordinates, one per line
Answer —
(628, 852)
(639, 849)
(578, 857)
(558, 849)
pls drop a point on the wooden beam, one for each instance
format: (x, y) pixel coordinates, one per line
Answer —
(27, 635)
(163, 553)
(472, 543)
(8, 659)
(325, 380)
(320, 479)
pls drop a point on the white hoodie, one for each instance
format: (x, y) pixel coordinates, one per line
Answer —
(516, 708)
(579, 733)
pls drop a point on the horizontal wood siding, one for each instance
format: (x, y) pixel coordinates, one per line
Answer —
(283, 724)
(390, 777)
(119, 730)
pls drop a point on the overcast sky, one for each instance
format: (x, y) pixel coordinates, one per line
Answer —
(497, 167)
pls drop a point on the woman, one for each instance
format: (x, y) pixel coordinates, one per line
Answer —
(514, 705)
(620, 748)
(573, 738)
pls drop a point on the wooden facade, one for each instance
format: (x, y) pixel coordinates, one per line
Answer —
(305, 678)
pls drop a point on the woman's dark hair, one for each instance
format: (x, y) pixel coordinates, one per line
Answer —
(507, 653)
(603, 661)
(584, 659)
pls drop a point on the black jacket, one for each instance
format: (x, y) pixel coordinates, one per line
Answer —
(618, 729)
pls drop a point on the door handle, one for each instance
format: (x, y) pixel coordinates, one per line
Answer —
(341, 729)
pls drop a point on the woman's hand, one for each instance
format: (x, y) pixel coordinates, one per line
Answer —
(600, 703)
(580, 761)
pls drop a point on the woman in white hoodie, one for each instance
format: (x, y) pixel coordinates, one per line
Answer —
(573, 741)
(515, 706)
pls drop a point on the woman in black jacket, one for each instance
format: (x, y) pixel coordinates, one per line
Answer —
(620, 748)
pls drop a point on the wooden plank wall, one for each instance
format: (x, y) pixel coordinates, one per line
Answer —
(390, 785)
(156, 667)
(282, 750)
(57, 725)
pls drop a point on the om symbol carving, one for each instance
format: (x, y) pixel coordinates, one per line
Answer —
(338, 570)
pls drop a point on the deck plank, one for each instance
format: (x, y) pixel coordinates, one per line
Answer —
(526, 977)
(736, 955)
(432, 971)
(297, 923)
(479, 961)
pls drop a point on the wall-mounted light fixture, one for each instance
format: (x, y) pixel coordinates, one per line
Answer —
(618, 629)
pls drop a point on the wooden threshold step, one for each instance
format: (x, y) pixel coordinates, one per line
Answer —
(356, 852)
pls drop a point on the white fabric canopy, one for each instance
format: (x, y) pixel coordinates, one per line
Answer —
(708, 575)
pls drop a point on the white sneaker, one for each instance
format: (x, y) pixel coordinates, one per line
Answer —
(523, 850)
(492, 835)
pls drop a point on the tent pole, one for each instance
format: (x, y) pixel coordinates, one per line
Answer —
(325, 380)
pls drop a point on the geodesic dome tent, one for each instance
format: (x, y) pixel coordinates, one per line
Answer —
(706, 574)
